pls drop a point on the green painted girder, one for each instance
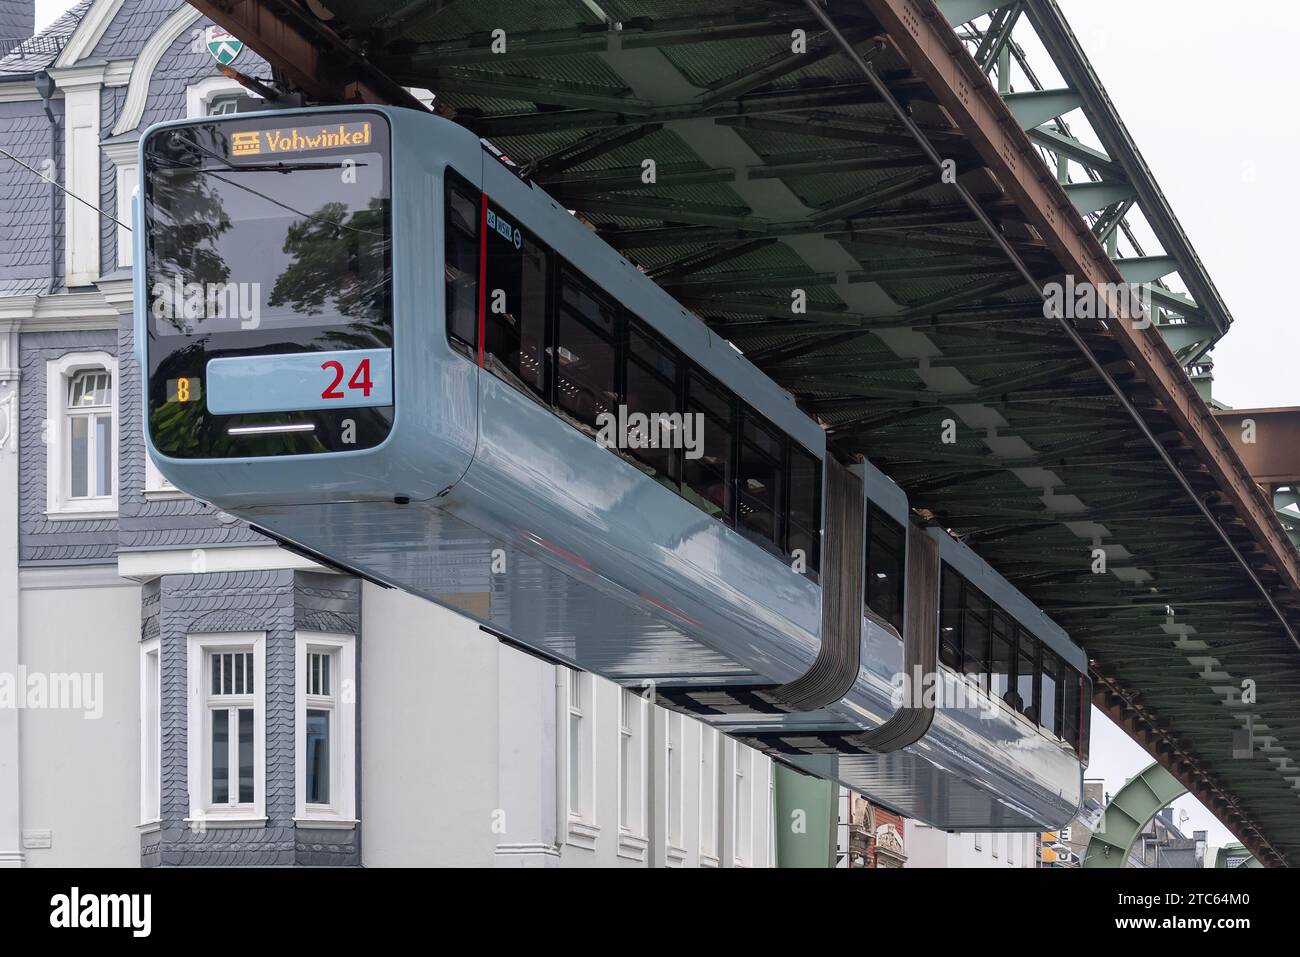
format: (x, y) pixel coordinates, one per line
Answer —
(958, 12)
(1090, 197)
(1034, 108)
(1179, 303)
(1141, 269)
(1186, 338)
(1235, 850)
(1128, 812)
(1081, 153)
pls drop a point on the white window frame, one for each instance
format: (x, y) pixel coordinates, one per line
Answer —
(580, 750)
(743, 805)
(59, 503)
(156, 485)
(769, 813)
(198, 737)
(979, 845)
(341, 811)
(123, 155)
(199, 95)
(675, 774)
(632, 776)
(710, 748)
(150, 732)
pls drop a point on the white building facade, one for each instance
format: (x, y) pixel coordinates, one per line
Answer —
(930, 847)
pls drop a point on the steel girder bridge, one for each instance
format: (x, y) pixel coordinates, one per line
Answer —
(908, 170)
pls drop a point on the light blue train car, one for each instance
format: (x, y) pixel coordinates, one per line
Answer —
(366, 335)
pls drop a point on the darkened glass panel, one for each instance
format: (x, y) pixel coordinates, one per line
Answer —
(760, 478)
(805, 490)
(652, 373)
(104, 455)
(975, 634)
(1001, 657)
(220, 757)
(515, 303)
(707, 481)
(1048, 705)
(950, 618)
(318, 757)
(245, 755)
(80, 456)
(1026, 672)
(886, 549)
(461, 264)
(264, 236)
(586, 369)
(1070, 706)
(1085, 717)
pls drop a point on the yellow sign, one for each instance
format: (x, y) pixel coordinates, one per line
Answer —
(299, 139)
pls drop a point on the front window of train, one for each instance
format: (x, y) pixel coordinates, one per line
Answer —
(267, 243)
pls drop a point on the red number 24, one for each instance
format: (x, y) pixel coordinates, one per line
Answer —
(360, 379)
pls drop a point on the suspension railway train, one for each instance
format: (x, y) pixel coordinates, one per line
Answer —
(366, 335)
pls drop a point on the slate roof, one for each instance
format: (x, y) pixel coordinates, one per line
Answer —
(37, 52)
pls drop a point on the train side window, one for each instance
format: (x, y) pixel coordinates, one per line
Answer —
(1085, 716)
(805, 522)
(950, 619)
(1070, 706)
(461, 264)
(586, 354)
(1026, 669)
(707, 481)
(1048, 703)
(653, 372)
(975, 634)
(1001, 657)
(515, 302)
(760, 481)
(885, 557)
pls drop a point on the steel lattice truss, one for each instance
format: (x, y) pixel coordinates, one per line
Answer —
(780, 174)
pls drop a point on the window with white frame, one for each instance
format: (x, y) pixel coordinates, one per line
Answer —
(150, 732)
(213, 96)
(709, 744)
(123, 156)
(673, 760)
(580, 748)
(325, 739)
(81, 435)
(743, 820)
(227, 728)
(769, 813)
(979, 845)
(155, 483)
(631, 771)
(223, 104)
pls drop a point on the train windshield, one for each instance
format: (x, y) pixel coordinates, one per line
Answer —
(266, 237)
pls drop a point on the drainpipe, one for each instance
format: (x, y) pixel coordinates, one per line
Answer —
(45, 87)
